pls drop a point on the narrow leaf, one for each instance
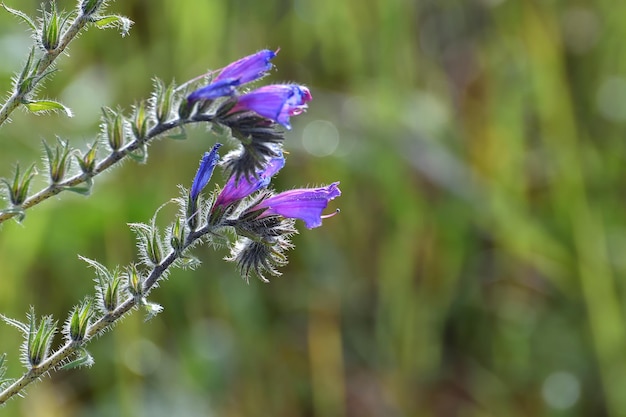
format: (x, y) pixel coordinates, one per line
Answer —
(82, 189)
(21, 15)
(140, 155)
(182, 135)
(121, 22)
(22, 327)
(101, 270)
(39, 106)
(84, 359)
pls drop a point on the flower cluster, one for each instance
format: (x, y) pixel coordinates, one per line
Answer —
(265, 223)
(262, 220)
(275, 102)
(252, 116)
(254, 221)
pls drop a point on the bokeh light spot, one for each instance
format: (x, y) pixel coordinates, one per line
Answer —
(561, 390)
(611, 99)
(142, 357)
(581, 29)
(320, 138)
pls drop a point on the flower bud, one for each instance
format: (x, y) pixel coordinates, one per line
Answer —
(140, 121)
(135, 281)
(51, 29)
(79, 322)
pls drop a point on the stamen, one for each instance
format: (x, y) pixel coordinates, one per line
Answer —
(326, 216)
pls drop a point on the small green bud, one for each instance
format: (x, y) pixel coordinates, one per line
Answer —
(114, 127)
(51, 28)
(18, 190)
(39, 339)
(117, 137)
(164, 97)
(109, 297)
(140, 121)
(87, 161)
(135, 281)
(184, 109)
(153, 247)
(25, 79)
(79, 321)
(57, 160)
(177, 236)
(192, 214)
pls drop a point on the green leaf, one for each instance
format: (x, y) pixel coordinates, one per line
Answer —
(38, 106)
(182, 135)
(189, 262)
(22, 327)
(82, 189)
(120, 22)
(84, 359)
(21, 15)
(28, 68)
(102, 272)
(140, 154)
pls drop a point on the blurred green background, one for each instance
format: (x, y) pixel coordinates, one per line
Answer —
(477, 266)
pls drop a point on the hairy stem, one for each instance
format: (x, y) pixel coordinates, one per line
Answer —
(44, 64)
(64, 353)
(113, 158)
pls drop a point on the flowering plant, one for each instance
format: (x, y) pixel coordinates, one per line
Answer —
(261, 221)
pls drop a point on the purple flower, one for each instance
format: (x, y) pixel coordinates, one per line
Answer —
(205, 171)
(306, 204)
(236, 190)
(214, 90)
(276, 102)
(245, 70)
(249, 68)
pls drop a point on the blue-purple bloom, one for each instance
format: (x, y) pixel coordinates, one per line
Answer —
(306, 204)
(249, 68)
(242, 71)
(205, 171)
(276, 102)
(235, 190)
